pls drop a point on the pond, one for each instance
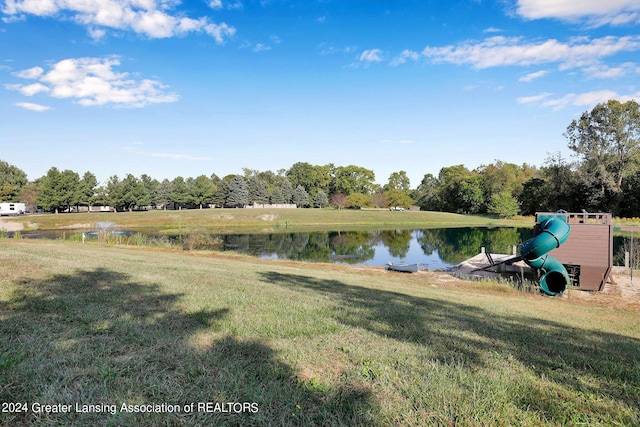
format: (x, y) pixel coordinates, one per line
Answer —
(433, 248)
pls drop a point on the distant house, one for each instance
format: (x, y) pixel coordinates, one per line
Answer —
(12, 209)
(101, 209)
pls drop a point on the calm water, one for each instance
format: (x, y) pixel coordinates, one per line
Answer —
(435, 249)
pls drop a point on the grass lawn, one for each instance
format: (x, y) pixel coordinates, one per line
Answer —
(235, 220)
(283, 343)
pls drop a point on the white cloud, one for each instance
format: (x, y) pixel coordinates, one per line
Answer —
(31, 73)
(602, 71)
(595, 12)
(33, 107)
(371, 55)
(92, 81)
(502, 51)
(404, 57)
(215, 4)
(532, 76)
(586, 99)
(151, 18)
(29, 90)
(259, 47)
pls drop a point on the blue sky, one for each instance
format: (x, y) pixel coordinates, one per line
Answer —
(169, 88)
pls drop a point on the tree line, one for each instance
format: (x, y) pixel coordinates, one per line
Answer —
(603, 175)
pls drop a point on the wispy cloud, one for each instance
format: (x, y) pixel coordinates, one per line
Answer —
(514, 51)
(33, 107)
(371, 55)
(593, 12)
(151, 18)
(92, 81)
(406, 55)
(532, 76)
(586, 99)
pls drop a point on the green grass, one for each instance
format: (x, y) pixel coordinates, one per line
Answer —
(309, 344)
(234, 220)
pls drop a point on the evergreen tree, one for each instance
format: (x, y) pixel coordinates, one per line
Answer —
(287, 191)
(151, 187)
(179, 194)
(164, 193)
(320, 200)
(58, 190)
(276, 197)
(301, 197)
(258, 191)
(12, 180)
(220, 195)
(88, 185)
(202, 190)
(238, 192)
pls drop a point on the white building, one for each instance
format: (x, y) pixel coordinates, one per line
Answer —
(12, 208)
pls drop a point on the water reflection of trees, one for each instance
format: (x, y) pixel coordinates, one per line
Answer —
(452, 244)
(397, 242)
(457, 244)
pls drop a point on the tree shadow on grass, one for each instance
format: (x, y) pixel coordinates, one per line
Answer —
(581, 361)
(99, 338)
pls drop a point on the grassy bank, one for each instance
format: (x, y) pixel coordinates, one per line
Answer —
(222, 220)
(305, 344)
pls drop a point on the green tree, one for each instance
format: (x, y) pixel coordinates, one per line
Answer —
(358, 200)
(448, 192)
(287, 191)
(606, 140)
(426, 195)
(258, 190)
(501, 176)
(126, 194)
(352, 179)
(301, 197)
(202, 190)
(398, 181)
(470, 195)
(311, 178)
(396, 197)
(276, 196)
(152, 187)
(58, 191)
(179, 194)
(534, 196)
(87, 190)
(221, 193)
(320, 200)
(12, 179)
(238, 192)
(164, 193)
(504, 205)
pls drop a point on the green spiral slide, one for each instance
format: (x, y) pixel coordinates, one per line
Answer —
(553, 233)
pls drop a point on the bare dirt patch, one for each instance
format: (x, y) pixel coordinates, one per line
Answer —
(7, 225)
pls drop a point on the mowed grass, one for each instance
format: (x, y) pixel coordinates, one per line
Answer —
(235, 220)
(308, 344)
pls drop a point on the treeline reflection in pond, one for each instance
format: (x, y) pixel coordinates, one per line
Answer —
(438, 248)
